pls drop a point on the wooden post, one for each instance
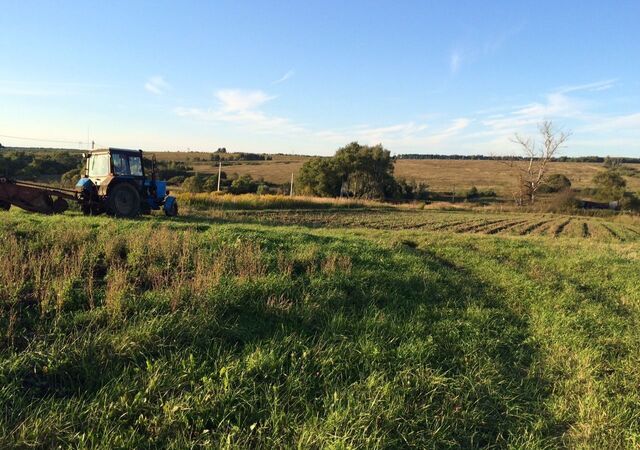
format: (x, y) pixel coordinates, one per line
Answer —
(219, 173)
(291, 188)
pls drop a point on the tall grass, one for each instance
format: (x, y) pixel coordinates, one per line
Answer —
(252, 201)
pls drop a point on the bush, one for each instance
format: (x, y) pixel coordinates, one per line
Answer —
(555, 183)
(609, 185)
(71, 177)
(412, 190)
(193, 184)
(564, 201)
(475, 193)
(243, 185)
(176, 181)
(629, 202)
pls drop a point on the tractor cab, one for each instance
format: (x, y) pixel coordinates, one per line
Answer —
(101, 165)
(115, 182)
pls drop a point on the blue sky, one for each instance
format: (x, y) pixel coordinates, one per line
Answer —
(310, 76)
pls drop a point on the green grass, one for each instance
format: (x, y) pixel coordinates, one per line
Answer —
(191, 332)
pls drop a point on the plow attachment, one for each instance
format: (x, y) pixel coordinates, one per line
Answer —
(34, 197)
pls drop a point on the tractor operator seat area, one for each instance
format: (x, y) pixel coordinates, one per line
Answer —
(100, 165)
(127, 165)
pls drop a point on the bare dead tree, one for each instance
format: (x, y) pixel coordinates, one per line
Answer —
(537, 155)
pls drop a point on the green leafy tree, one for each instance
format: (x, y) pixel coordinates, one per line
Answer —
(321, 177)
(356, 170)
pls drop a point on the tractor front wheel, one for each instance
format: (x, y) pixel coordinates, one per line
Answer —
(124, 201)
(5, 206)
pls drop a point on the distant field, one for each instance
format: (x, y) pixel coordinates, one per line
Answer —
(440, 175)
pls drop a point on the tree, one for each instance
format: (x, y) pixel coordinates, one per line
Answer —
(320, 176)
(367, 171)
(355, 170)
(609, 185)
(555, 183)
(531, 174)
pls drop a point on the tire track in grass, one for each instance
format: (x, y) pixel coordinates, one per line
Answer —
(613, 233)
(560, 228)
(633, 233)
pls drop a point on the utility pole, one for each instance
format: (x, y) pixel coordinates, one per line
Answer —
(219, 173)
(291, 188)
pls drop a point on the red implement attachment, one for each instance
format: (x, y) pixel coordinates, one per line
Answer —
(34, 197)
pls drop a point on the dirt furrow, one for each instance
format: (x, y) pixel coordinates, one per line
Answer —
(504, 227)
(534, 226)
(560, 228)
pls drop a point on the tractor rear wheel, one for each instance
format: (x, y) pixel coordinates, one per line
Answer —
(124, 201)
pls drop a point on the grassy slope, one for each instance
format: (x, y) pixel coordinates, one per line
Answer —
(238, 335)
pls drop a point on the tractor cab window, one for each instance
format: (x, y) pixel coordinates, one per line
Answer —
(119, 164)
(126, 164)
(99, 165)
(135, 166)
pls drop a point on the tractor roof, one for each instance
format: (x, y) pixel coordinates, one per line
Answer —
(116, 150)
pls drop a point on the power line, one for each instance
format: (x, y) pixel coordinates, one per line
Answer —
(42, 140)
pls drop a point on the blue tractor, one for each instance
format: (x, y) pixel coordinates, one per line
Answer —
(115, 183)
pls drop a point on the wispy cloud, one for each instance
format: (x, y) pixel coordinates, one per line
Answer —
(157, 85)
(409, 135)
(284, 77)
(591, 87)
(241, 100)
(469, 51)
(242, 108)
(455, 61)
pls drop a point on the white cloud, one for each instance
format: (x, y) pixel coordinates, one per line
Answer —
(615, 123)
(556, 106)
(455, 61)
(156, 85)
(284, 77)
(399, 137)
(242, 108)
(241, 100)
